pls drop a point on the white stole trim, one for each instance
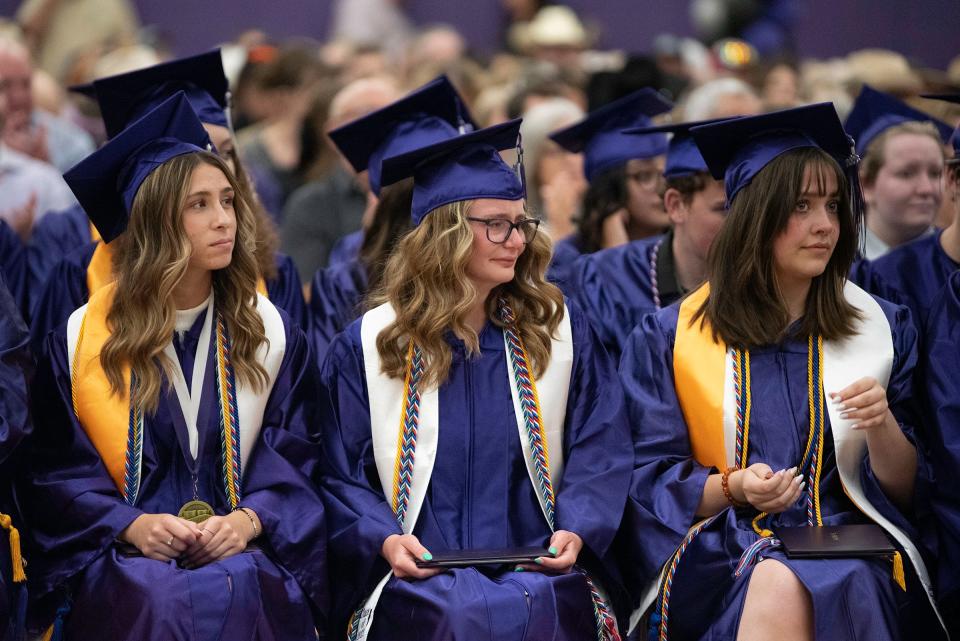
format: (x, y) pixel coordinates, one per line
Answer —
(869, 352)
(385, 399)
(74, 323)
(190, 399)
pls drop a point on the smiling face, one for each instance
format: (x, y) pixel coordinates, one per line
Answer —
(209, 219)
(802, 250)
(492, 264)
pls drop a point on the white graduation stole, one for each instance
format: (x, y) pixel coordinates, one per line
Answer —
(386, 397)
(869, 352)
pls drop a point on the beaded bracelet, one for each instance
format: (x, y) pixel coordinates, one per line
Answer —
(256, 532)
(725, 485)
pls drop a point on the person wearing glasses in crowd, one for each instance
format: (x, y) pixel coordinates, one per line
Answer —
(623, 201)
(773, 401)
(472, 409)
(169, 483)
(617, 287)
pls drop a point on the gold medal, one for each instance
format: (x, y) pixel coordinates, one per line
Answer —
(195, 511)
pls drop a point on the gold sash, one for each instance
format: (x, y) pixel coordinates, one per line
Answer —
(699, 370)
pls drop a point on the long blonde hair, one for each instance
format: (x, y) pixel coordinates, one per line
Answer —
(151, 258)
(426, 283)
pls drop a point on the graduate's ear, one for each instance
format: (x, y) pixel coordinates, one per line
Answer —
(675, 206)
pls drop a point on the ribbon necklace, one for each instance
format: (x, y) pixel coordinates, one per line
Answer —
(539, 454)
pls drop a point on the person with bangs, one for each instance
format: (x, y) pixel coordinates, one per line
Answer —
(472, 413)
(170, 478)
(777, 467)
(622, 202)
(68, 259)
(617, 287)
(915, 272)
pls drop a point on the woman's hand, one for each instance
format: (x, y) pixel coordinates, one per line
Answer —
(402, 552)
(565, 547)
(865, 403)
(220, 537)
(161, 537)
(765, 490)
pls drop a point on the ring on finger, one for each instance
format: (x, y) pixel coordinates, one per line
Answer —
(170, 542)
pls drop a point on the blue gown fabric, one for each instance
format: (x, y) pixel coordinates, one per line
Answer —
(16, 367)
(54, 236)
(346, 249)
(480, 496)
(66, 290)
(13, 266)
(911, 275)
(336, 300)
(852, 598)
(941, 385)
(565, 254)
(614, 288)
(275, 590)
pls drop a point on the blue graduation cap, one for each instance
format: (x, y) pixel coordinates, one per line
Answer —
(432, 113)
(600, 134)
(463, 168)
(683, 156)
(128, 96)
(106, 182)
(955, 137)
(874, 112)
(736, 150)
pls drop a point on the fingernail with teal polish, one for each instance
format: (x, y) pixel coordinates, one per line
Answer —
(552, 550)
(427, 556)
(518, 569)
(539, 560)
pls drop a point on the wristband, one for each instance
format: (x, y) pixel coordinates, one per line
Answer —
(246, 511)
(725, 485)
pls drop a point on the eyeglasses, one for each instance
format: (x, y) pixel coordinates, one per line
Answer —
(499, 229)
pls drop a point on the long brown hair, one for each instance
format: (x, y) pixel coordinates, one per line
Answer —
(426, 283)
(268, 241)
(391, 220)
(151, 258)
(745, 307)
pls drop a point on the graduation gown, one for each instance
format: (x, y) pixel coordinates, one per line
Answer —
(852, 598)
(336, 298)
(347, 248)
(13, 265)
(480, 496)
(53, 237)
(941, 385)
(565, 253)
(270, 591)
(67, 289)
(911, 275)
(615, 287)
(16, 366)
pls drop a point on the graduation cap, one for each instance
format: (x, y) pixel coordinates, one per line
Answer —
(106, 182)
(463, 168)
(683, 157)
(736, 150)
(955, 137)
(432, 113)
(874, 112)
(128, 96)
(600, 134)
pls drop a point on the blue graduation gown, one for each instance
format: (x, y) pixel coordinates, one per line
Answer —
(271, 591)
(941, 378)
(16, 366)
(480, 496)
(614, 288)
(852, 598)
(13, 265)
(346, 248)
(53, 237)
(565, 253)
(336, 298)
(66, 290)
(912, 274)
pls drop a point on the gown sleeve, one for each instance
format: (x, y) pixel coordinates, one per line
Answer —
(667, 483)
(286, 292)
(16, 366)
(64, 292)
(13, 266)
(278, 483)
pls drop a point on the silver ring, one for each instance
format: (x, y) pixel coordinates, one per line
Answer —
(170, 542)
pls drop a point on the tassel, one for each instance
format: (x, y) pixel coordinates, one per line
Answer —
(898, 576)
(754, 553)
(16, 559)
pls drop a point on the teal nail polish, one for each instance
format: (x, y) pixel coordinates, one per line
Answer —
(539, 560)
(427, 556)
(552, 550)
(518, 569)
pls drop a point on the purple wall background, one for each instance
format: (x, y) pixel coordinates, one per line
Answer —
(923, 30)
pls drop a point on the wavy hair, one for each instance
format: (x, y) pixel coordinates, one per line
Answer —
(150, 260)
(426, 283)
